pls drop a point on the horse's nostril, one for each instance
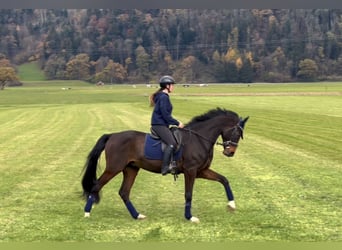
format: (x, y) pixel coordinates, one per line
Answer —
(228, 154)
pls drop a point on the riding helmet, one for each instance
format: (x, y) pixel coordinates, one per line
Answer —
(165, 80)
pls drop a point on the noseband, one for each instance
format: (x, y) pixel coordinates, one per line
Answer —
(226, 144)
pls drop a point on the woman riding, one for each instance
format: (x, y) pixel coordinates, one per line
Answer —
(162, 119)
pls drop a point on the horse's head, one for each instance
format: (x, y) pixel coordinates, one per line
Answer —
(232, 136)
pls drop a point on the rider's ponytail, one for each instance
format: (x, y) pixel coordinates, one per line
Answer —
(153, 96)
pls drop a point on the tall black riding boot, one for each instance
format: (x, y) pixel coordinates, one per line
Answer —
(166, 159)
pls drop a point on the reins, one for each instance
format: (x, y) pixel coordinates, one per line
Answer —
(198, 134)
(224, 144)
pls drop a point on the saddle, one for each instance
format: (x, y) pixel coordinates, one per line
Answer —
(154, 146)
(176, 134)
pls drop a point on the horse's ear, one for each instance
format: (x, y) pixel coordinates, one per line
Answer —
(243, 121)
(242, 124)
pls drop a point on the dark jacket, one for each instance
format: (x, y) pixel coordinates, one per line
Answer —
(162, 113)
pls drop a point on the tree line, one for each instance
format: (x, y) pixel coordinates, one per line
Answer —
(130, 45)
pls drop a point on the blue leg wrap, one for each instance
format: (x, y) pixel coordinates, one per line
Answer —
(188, 210)
(131, 209)
(229, 194)
(89, 204)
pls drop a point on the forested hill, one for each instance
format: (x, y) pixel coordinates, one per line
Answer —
(132, 45)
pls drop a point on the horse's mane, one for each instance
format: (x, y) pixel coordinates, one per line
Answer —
(211, 114)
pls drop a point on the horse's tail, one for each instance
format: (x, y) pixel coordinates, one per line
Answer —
(89, 177)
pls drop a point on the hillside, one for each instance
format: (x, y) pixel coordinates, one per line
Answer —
(228, 45)
(30, 72)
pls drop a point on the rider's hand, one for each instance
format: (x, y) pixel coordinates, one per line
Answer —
(180, 125)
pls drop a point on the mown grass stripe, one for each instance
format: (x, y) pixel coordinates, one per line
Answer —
(296, 198)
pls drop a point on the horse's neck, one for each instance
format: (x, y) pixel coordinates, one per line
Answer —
(209, 130)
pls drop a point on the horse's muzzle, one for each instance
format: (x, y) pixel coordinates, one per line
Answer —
(229, 151)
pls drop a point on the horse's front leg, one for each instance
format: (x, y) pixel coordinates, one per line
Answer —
(212, 175)
(189, 178)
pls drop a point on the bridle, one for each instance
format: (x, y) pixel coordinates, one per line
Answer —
(225, 144)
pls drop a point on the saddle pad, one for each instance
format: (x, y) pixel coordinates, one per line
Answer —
(153, 149)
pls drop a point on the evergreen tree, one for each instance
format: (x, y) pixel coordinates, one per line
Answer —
(231, 72)
(143, 63)
(55, 67)
(246, 72)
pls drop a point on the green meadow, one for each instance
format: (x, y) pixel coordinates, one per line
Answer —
(30, 72)
(286, 174)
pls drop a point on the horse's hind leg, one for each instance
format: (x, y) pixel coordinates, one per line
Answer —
(129, 174)
(94, 195)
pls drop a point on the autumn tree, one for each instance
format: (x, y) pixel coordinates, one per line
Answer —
(188, 68)
(307, 70)
(232, 62)
(113, 72)
(78, 67)
(7, 74)
(170, 65)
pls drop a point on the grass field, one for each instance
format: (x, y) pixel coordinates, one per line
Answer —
(30, 72)
(286, 174)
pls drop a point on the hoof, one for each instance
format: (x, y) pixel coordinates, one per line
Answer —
(86, 214)
(231, 206)
(194, 219)
(141, 217)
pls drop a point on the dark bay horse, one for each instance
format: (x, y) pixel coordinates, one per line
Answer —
(124, 152)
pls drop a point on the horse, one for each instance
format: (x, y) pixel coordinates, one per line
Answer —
(124, 152)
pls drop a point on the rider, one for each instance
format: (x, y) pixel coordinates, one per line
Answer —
(162, 119)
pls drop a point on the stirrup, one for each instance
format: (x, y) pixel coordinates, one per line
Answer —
(171, 168)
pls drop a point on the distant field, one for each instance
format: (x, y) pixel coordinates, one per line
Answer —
(286, 175)
(30, 72)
